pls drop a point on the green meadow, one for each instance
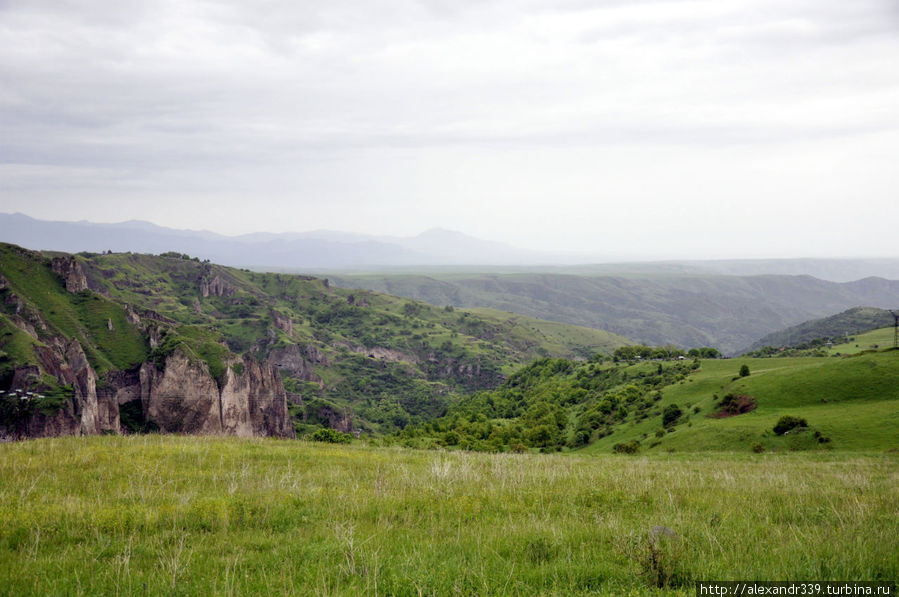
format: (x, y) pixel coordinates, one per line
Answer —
(176, 515)
(873, 340)
(852, 401)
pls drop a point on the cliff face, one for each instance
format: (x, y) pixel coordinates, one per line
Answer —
(182, 397)
(298, 362)
(254, 402)
(70, 270)
(78, 413)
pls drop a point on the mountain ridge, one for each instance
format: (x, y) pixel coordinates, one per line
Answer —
(327, 251)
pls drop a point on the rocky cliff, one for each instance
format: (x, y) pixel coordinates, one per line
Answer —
(131, 342)
(179, 397)
(183, 397)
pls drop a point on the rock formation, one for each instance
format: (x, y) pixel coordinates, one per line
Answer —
(215, 286)
(69, 269)
(180, 397)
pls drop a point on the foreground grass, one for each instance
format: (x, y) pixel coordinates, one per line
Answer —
(187, 515)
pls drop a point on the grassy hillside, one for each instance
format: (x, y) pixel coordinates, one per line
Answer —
(871, 340)
(847, 403)
(852, 401)
(851, 322)
(388, 360)
(190, 515)
(686, 309)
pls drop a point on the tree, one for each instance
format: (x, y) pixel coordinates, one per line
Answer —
(787, 423)
(670, 415)
(744, 371)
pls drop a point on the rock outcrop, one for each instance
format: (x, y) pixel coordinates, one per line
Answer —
(79, 413)
(292, 360)
(253, 401)
(69, 269)
(282, 322)
(181, 397)
(215, 286)
(341, 420)
(184, 398)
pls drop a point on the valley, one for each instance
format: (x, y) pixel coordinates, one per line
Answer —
(686, 309)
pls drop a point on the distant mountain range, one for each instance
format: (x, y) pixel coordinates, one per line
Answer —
(330, 251)
(315, 250)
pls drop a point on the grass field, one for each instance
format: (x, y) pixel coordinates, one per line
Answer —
(853, 401)
(170, 515)
(873, 340)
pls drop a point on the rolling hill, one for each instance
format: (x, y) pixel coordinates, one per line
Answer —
(841, 403)
(135, 341)
(850, 322)
(728, 312)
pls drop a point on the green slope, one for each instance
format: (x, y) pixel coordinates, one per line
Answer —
(687, 309)
(84, 316)
(872, 340)
(849, 403)
(854, 401)
(389, 359)
(851, 322)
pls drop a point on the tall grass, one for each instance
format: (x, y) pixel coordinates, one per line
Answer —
(190, 515)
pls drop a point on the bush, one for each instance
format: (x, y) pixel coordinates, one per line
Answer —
(822, 439)
(518, 448)
(331, 436)
(670, 415)
(758, 448)
(660, 557)
(744, 371)
(631, 447)
(787, 423)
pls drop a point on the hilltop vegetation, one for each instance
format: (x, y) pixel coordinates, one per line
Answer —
(634, 406)
(816, 333)
(348, 358)
(175, 515)
(686, 309)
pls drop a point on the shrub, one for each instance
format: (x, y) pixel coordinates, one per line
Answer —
(659, 554)
(631, 447)
(331, 436)
(670, 415)
(744, 371)
(788, 422)
(735, 404)
(822, 439)
(758, 448)
(518, 448)
(581, 438)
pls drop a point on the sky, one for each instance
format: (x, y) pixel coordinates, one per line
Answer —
(616, 128)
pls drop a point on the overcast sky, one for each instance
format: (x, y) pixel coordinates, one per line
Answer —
(623, 128)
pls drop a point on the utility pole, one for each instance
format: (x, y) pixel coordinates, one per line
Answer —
(895, 328)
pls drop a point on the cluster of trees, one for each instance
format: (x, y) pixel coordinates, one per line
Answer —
(174, 255)
(661, 353)
(552, 404)
(812, 348)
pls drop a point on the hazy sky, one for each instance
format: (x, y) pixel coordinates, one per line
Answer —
(719, 128)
